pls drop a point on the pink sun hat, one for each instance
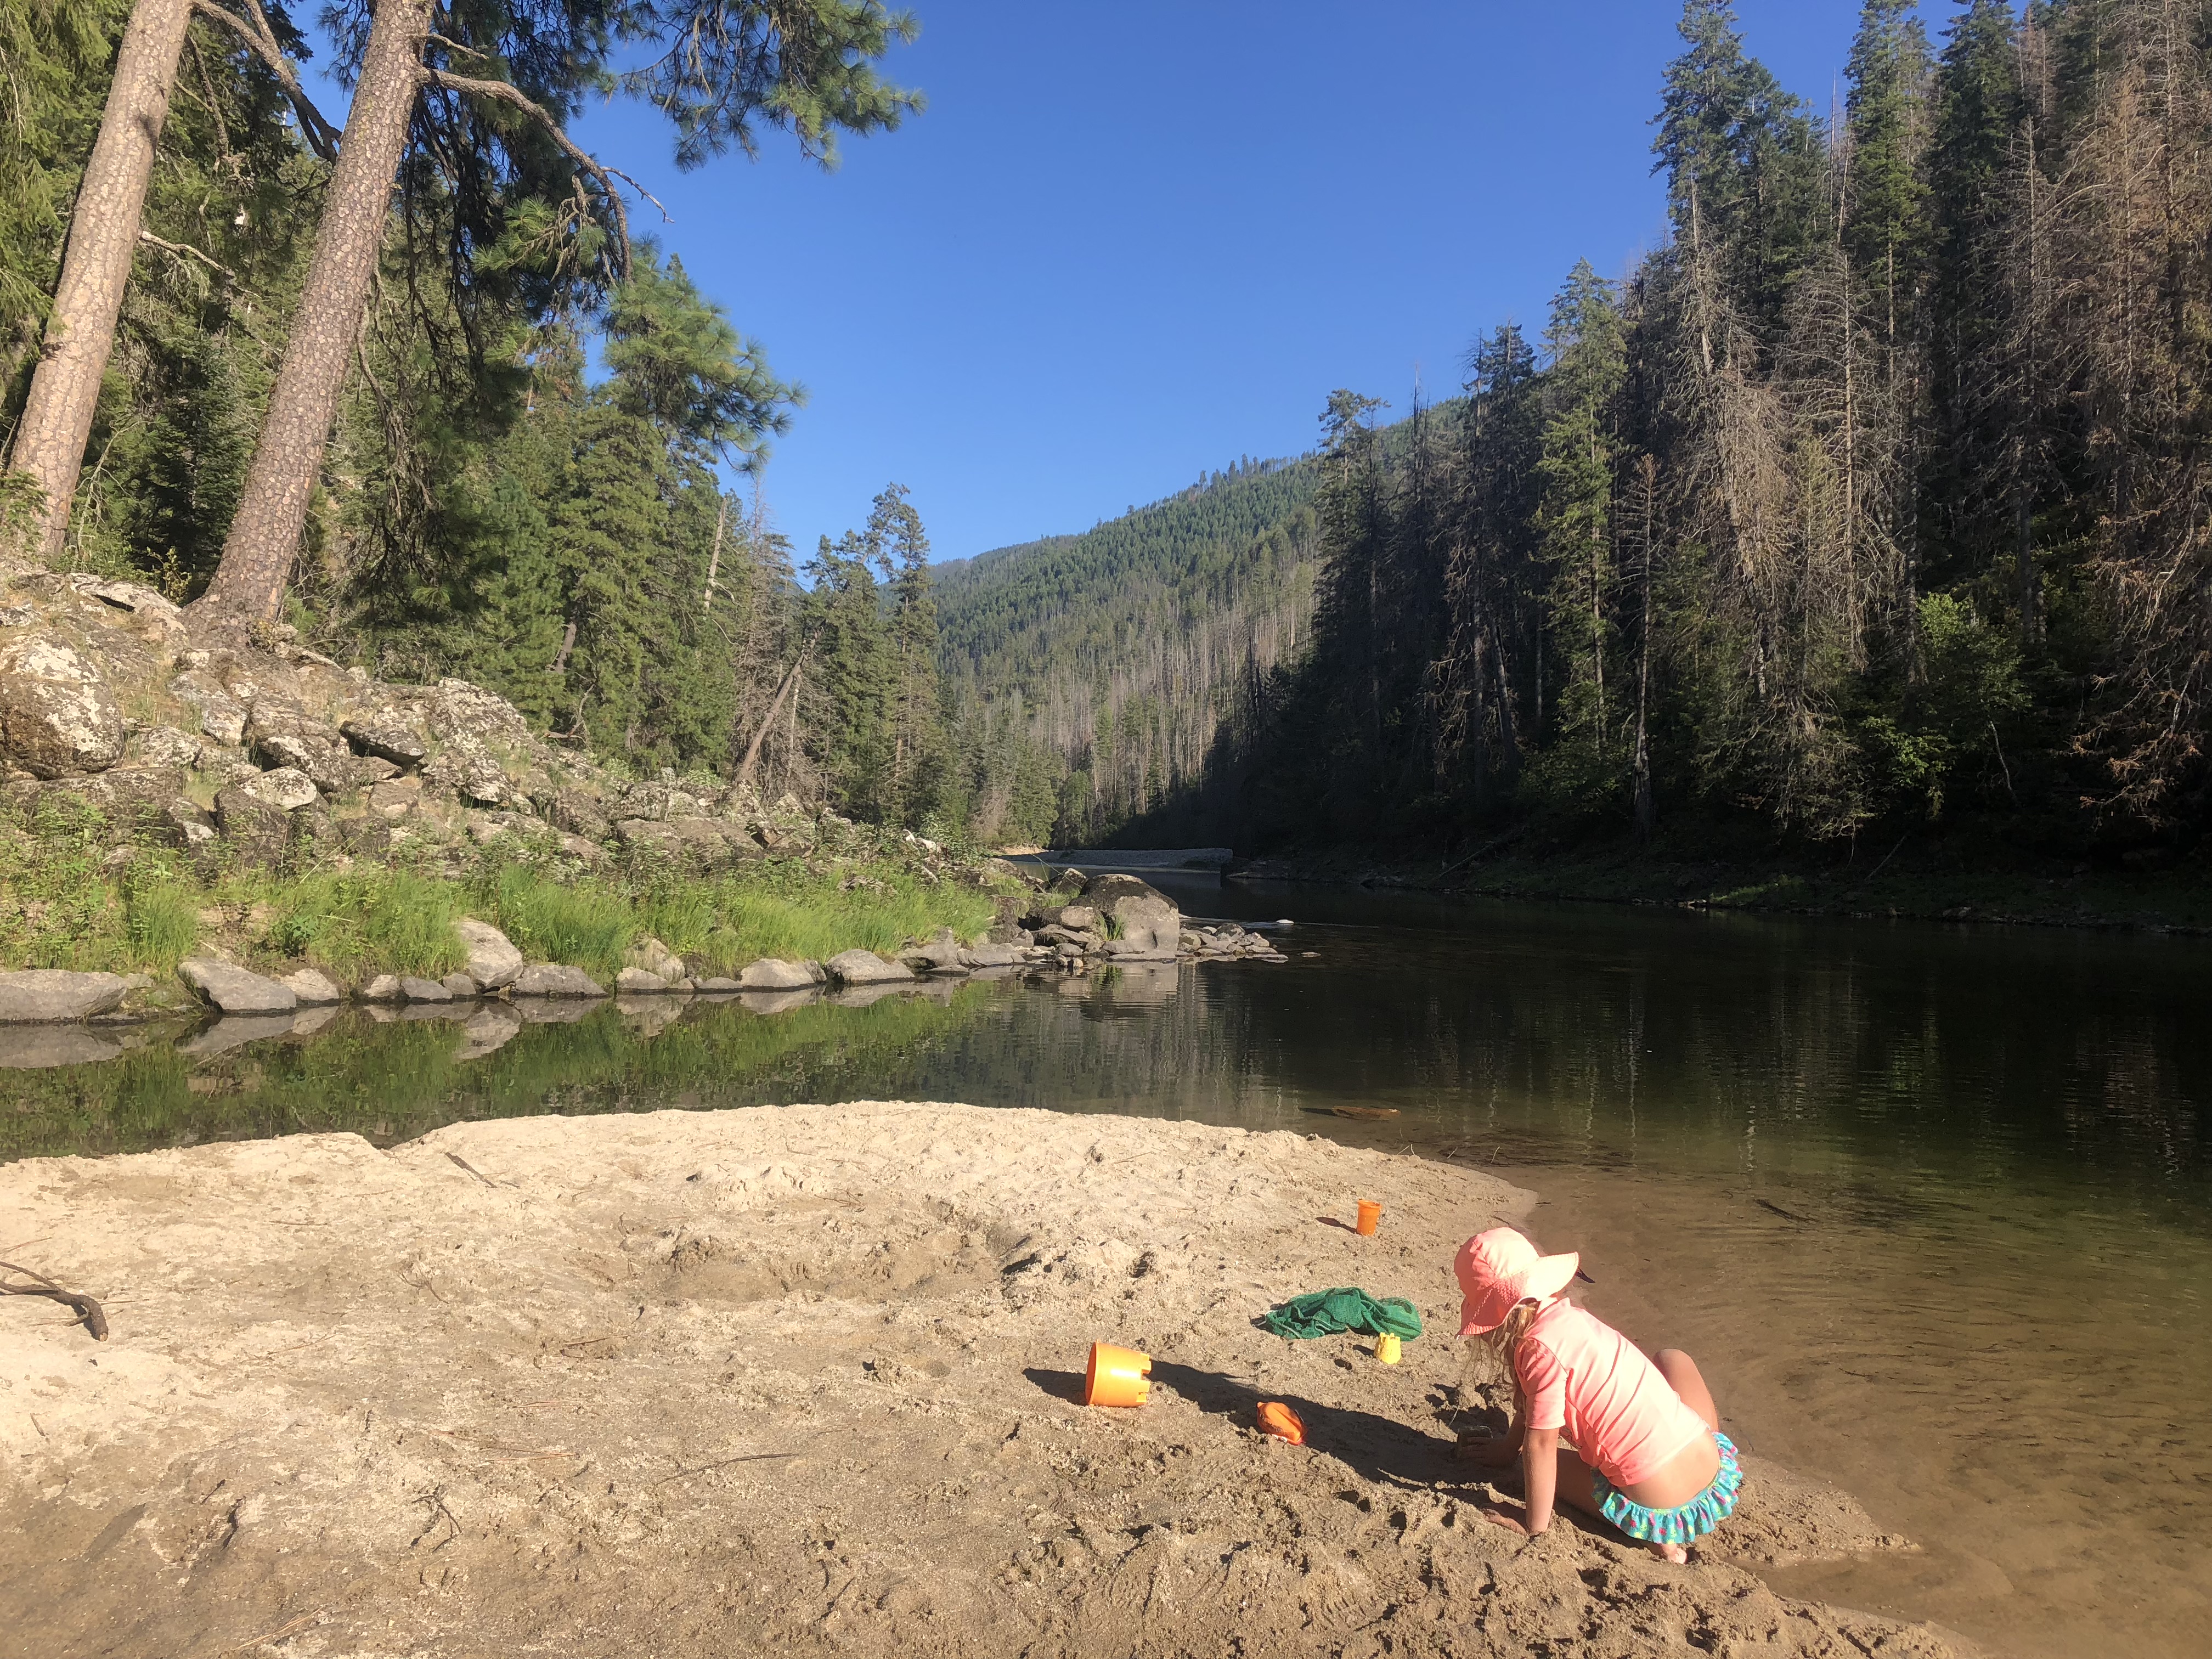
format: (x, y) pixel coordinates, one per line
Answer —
(1499, 1268)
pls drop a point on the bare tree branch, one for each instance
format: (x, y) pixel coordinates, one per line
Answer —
(185, 250)
(502, 92)
(322, 138)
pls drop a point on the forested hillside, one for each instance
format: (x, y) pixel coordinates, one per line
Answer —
(1117, 658)
(1878, 498)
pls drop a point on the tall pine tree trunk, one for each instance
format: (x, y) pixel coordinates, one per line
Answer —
(257, 558)
(49, 443)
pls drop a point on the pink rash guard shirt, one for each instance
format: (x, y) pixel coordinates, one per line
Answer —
(1580, 1375)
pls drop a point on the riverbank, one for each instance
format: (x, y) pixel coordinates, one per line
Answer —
(630, 1384)
(1958, 877)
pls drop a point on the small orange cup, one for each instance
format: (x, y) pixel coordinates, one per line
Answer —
(1280, 1422)
(1370, 1217)
(1117, 1376)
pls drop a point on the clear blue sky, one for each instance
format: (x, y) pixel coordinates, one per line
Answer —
(1128, 242)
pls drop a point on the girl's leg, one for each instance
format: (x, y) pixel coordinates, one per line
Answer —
(1683, 1376)
(1576, 1491)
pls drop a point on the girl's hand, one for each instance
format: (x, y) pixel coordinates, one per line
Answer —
(1511, 1524)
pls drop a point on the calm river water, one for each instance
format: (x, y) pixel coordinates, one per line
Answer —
(1932, 1205)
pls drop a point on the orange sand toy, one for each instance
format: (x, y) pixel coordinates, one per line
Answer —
(1117, 1376)
(1280, 1422)
(1370, 1217)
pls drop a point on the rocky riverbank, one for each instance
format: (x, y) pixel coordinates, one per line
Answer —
(255, 829)
(806, 1380)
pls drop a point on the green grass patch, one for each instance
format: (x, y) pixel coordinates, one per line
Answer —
(363, 923)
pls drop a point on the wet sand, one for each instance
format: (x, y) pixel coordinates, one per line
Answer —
(796, 1379)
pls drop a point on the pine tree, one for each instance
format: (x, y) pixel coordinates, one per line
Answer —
(1574, 530)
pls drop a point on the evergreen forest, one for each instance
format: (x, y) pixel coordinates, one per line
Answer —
(1876, 498)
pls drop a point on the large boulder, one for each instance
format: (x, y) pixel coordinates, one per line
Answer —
(56, 717)
(940, 953)
(493, 961)
(637, 982)
(256, 831)
(1147, 926)
(285, 787)
(234, 990)
(313, 989)
(387, 738)
(866, 968)
(32, 996)
(772, 974)
(552, 978)
(650, 956)
(128, 797)
(222, 717)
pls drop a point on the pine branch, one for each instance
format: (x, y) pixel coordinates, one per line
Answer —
(505, 93)
(322, 138)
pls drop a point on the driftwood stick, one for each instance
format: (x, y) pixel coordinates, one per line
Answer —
(86, 1310)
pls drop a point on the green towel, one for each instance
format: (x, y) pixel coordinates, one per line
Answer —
(1324, 1313)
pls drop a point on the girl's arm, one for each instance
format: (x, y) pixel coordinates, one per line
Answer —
(1540, 1473)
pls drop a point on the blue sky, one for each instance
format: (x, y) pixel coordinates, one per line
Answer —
(1128, 242)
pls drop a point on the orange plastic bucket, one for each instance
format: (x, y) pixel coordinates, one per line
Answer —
(1280, 1422)
(1370, 1217)
(1117, 1376)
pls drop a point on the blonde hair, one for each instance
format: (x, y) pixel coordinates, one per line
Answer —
(1503, 1341)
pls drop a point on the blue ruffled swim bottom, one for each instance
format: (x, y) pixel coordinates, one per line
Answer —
(1686, 1522)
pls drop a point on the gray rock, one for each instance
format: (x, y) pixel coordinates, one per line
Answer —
(423, 990)
(577, 814)
(395, 799)
(259, 831)
(385, 740)
(32, 996)
(493, 961)
(56, 717)
(656, 959)
(636, 982)
(939, 954)
(995, 956)
(185, 824)
(460, 986)
(34, 1048)
(1147, 923)
(222, 717)
(162, 746)
(469, 773)
(313, 989)
(553, 979)
(715, 985)
(866, 968)
(286, 788)
(771, 974)
(385, 988)
(235, 990)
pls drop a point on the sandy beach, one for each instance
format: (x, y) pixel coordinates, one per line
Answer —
(799, 1379)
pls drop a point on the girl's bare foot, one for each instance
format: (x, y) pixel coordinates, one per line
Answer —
(1674, 1553)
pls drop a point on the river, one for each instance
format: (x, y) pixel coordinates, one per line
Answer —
(1932, 1205)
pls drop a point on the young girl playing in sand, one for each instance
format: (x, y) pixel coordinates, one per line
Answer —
(1645, 1448)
